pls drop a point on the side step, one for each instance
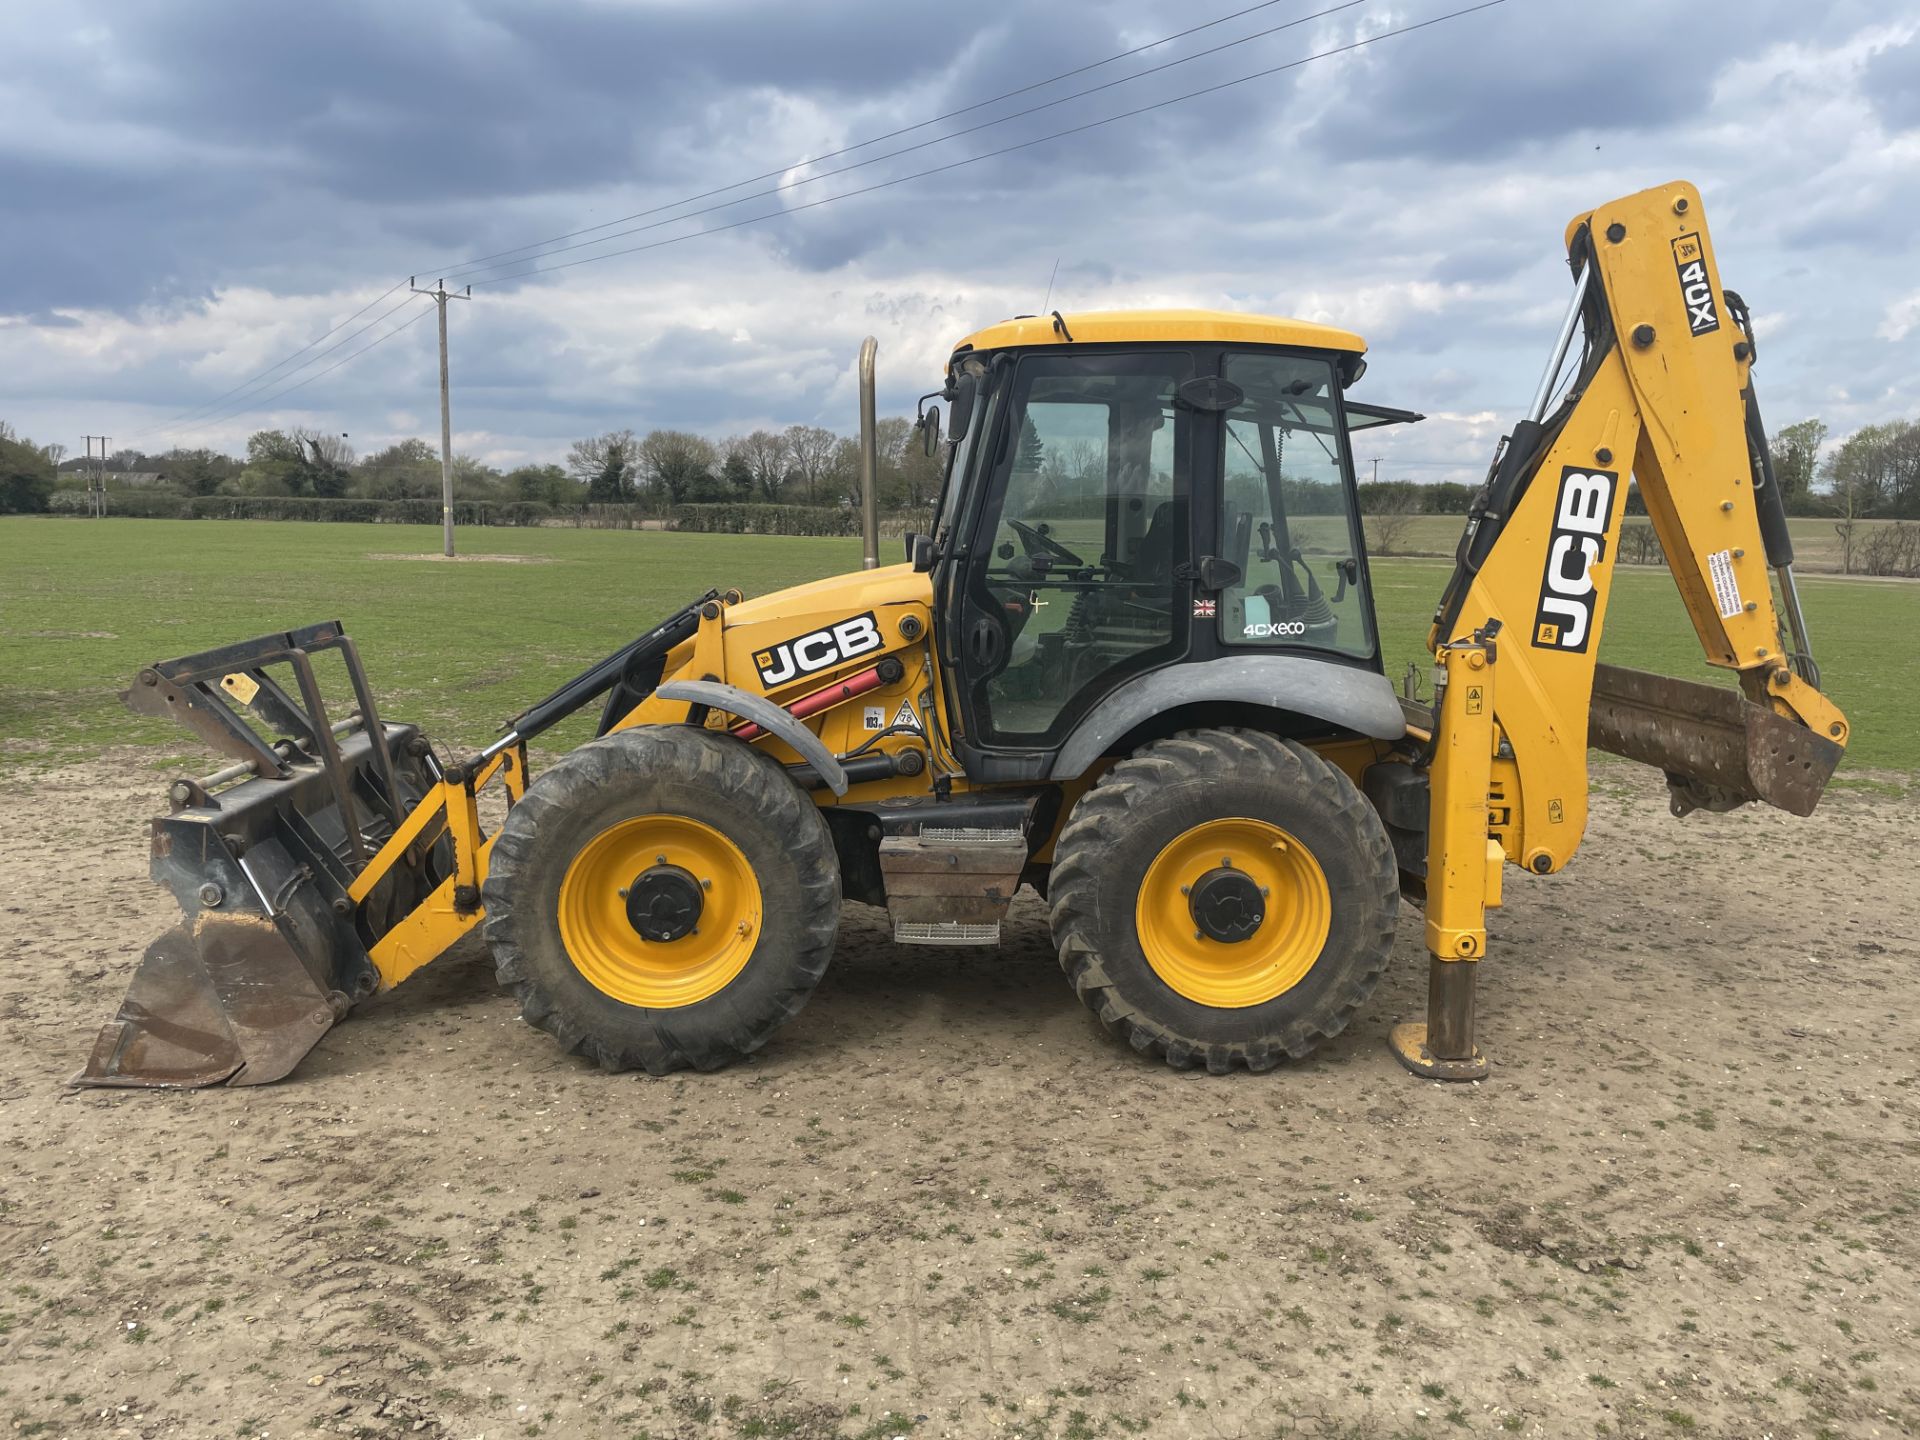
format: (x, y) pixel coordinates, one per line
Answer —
(951, 886)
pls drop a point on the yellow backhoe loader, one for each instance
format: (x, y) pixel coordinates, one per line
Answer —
(1135, 665)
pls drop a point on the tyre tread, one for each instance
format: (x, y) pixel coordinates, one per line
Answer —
(719, 763)
(1102, 817)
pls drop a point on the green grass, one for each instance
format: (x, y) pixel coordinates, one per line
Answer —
(1816, 548)
(1866, 634)
(455, 648)
(458, 648)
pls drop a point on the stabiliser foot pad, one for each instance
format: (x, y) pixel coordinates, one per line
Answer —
(1409, 1045)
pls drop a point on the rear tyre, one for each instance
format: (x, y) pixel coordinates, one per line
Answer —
(663, 898)
(1224, 898)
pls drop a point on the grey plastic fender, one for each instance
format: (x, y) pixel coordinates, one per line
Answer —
(768, 716)
(1355, 699)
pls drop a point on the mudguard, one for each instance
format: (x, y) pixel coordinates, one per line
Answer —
(1343, 695)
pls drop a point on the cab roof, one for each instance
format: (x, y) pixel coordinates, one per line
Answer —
(1107, 327)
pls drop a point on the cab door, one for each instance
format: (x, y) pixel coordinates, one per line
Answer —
(1077, 571)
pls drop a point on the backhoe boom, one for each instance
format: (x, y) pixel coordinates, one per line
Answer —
(1662, 395)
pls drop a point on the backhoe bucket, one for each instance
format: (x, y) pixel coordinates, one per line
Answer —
(1718, 749)
(271, 951)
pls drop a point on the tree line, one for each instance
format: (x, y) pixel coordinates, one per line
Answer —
(800, 465)
(1873, 474)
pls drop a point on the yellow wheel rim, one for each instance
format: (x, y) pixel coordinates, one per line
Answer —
(1210, 877)
(679, 854)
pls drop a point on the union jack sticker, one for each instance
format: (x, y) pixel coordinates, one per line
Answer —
(1205, 609)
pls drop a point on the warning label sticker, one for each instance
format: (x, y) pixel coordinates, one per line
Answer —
(1726, 589)
(904, 718)
(876, 717)
(242, 686)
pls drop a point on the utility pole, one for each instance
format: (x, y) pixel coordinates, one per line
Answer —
(97, 486)
(440, 295)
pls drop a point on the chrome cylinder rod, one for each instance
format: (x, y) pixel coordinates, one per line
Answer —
(1541, 396)
(1796, 621)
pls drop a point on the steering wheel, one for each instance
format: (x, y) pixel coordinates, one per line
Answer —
(1037, 543)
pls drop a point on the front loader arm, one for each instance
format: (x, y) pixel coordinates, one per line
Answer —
(1663, 393)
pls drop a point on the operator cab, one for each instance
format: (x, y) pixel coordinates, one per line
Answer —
(1131, 490)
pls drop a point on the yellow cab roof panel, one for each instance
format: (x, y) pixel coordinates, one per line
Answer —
(1108, 327)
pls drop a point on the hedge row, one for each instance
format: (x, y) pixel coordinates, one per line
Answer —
(159, 505)
(724, 519)
(746, 519)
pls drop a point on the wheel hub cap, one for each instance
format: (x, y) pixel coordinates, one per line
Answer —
(1227, 906)
(664, 904)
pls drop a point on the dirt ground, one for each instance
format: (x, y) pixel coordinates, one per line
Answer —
(941, 1203)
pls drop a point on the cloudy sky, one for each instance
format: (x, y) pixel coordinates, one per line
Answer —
(194, 191)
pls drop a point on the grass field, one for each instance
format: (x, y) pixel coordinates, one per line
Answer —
(459, 647)
(1816, 548)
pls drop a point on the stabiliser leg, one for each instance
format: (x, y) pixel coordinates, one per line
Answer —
(1443, 1048)
(1463, 864)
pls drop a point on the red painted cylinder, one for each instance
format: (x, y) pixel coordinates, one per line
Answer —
(821, 700)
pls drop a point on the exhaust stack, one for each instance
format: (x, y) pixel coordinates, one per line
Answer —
(869, 460)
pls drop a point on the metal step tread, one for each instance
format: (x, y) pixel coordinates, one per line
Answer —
(945, 932)
(949, 835)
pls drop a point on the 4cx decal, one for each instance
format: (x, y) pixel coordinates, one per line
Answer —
(1563, 619)
(818, 649)
(1696, 291)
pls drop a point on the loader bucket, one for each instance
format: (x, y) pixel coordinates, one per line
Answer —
(1718, 749)
(271, 952)
(225, 1003)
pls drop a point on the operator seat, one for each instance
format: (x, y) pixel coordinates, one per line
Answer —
(1153, 561)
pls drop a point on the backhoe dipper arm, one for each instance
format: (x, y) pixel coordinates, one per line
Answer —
(1663, 393)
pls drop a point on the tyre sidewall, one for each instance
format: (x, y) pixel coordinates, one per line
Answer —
(1295, 1018)
(776, 828)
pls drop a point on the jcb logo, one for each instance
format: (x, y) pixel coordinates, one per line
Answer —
(818, 650)
(1696, 291)
(1564, 618)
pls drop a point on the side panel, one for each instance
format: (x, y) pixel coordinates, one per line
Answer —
(793, 643)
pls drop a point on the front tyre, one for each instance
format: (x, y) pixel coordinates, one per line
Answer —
(1224, 898)
(664, 897)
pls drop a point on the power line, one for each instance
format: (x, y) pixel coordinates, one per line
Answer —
(859, 144)
(266, 400)
(255, 401)
(253, 381)
(260, 401)
(201, 413)
(462, 272)
(1003, 150)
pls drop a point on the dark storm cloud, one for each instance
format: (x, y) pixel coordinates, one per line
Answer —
(379, 102)
(1521, 75)
(312, 130)
(210, 183)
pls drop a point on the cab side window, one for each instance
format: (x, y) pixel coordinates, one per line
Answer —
(1287, 518)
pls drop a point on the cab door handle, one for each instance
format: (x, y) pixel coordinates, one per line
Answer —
(986, 644)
